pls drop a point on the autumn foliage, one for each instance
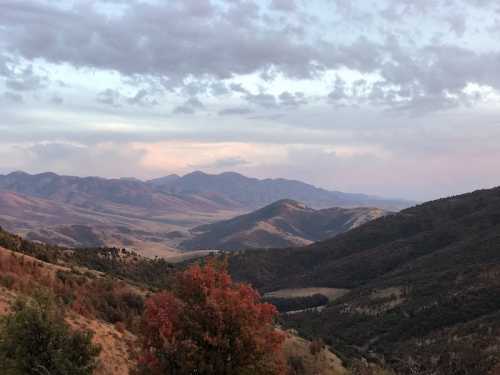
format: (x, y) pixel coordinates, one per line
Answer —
(208, 324)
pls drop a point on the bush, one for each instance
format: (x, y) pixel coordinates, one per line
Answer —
(210, 325)
(34, 340)
(7, 281)
(296, 365)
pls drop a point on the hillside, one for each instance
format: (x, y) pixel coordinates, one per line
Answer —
(79, 212)
(64, 224)
(103, 291)
(423, 281)
(284, 223)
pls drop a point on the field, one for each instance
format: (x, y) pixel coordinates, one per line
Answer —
(331, 293)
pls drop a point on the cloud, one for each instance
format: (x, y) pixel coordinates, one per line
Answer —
(25, 80)
(263, 100)
(116, 99)
(235, 111)
(284, 5)
(189, 107)
(288, 99)
(142, 98)
(171, 40)
(56, 99)
(223, 164)
(196, 48)
(109, 97)
(458, 24)
(13, 97)
(62, 158)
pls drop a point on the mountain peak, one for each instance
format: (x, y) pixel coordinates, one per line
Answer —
(18, 173)
(196, 174)
(284, 223)
(287, 203)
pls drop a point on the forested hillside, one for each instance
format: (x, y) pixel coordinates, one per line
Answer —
(423, 281)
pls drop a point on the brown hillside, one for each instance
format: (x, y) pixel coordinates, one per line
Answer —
(284, 223)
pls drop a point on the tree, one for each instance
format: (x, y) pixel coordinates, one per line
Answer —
(208, 324)
(34, 340)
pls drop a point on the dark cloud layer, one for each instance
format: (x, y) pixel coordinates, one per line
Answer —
(172, 41)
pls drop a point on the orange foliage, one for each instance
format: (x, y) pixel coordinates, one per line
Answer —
(106, 299)
(210, 325)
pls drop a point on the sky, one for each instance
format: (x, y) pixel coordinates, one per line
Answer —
(398, 98)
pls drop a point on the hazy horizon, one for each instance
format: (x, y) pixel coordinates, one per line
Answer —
(394, 98)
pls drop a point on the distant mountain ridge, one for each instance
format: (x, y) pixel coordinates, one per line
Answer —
(82, 211)
(255, 193)
(227, 190)
(284, 223)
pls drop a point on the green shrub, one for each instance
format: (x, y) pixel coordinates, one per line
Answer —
(35, 340)
(7, 281)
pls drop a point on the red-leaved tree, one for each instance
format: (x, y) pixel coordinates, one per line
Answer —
(209, 324)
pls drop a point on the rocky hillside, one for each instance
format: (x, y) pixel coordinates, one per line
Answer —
(285, 223)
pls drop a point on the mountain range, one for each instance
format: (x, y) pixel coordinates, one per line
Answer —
(146, 215)
(253, 193)
(284, 223)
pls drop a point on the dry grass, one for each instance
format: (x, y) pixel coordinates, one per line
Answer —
(323, 363)
(181, 257)
(116, 357)
(50, 221)
(117, 347)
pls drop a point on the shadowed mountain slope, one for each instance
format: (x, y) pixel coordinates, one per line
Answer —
(424, 285)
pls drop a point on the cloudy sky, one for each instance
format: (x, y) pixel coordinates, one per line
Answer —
(391, 97)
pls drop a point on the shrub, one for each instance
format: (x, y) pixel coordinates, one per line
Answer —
(296, 365)
(210, 325)
(35, 340)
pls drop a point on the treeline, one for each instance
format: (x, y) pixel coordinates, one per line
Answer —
(298, 303)
(120, 263)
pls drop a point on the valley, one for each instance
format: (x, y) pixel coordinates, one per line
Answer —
(155, 217)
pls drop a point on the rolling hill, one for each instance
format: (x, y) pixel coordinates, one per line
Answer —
(64, 224)
(284, 223)
(423, 286)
